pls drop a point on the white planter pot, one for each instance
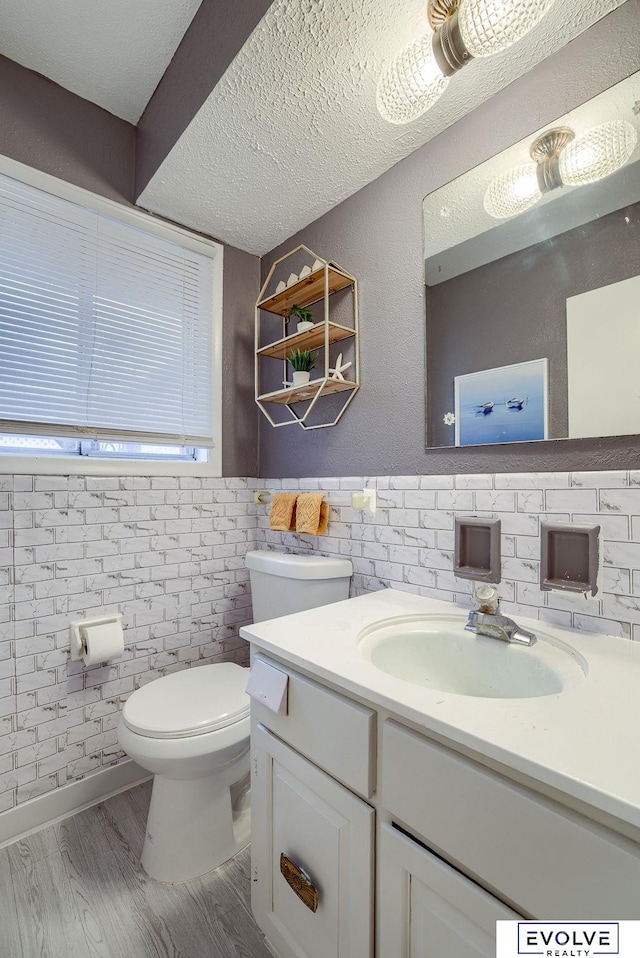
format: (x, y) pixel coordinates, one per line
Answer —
(301, 377)
(304, 326)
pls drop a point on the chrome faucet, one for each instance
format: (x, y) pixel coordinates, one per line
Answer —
(488, 621)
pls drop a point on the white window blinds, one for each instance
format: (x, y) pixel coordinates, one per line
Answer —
(105, 330)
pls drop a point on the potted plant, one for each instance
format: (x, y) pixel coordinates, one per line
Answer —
(304, 316)
(302, 361)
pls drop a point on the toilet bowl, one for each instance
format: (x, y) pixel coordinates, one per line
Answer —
(191, 730)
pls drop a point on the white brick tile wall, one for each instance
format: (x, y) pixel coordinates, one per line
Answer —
(166, 552)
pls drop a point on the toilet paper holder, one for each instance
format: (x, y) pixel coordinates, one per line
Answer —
(78, 638)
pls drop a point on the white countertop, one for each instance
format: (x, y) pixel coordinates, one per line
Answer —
(582, 741)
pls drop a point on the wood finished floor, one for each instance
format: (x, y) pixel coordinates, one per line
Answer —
(77, 890)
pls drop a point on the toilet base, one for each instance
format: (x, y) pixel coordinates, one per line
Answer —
(206, 834)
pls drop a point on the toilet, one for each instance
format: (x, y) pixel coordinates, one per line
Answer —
(191, 730)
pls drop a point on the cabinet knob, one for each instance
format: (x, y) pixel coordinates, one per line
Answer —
(299, 881)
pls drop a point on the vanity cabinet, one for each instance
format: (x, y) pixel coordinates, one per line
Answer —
(459, 845)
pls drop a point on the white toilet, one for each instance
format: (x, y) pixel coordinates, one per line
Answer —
(191, 729)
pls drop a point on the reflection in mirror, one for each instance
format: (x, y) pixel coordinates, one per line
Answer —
(528, 261)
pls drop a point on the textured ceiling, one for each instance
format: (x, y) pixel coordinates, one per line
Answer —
(292, 128)
(111, 52)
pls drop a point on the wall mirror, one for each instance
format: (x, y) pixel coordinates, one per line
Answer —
(532, 272)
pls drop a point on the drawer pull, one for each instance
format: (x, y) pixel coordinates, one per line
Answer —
(300, 882)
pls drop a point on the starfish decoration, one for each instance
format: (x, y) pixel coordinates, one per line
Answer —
(340, 367)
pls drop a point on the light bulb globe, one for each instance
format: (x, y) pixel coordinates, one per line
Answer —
(513, 192)
(597, 153)
(488, 26)
(411, 83)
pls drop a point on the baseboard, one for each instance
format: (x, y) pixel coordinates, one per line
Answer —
(65, 801)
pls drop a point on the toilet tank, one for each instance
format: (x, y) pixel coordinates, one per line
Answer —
(283, 583)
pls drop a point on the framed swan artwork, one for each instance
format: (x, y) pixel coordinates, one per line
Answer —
(505, 404)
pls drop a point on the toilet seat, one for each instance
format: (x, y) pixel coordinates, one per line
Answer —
(192, 702)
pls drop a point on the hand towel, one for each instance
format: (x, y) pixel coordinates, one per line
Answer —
(323, 524)
(282, 517)
(312, 514)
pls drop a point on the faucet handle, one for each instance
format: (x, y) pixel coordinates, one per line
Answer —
(486, 598)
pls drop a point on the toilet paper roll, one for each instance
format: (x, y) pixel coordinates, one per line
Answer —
(102, 642)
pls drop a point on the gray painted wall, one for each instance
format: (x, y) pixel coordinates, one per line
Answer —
(514, 310)
(47, 127)
(377, 235)
(220, 25)
(239, 411)
(51, 129)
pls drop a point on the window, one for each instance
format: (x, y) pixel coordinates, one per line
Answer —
(101, 449)
(109, 330)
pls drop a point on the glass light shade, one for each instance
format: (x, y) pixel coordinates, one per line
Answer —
(488, 26)
(597, 153)
(513, 192)
(411, 83)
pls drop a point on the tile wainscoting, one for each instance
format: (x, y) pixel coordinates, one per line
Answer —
(408, 543)
(166, 552)
(169, 554)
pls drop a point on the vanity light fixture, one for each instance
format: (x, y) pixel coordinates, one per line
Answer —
(462, 30)
(560, 158)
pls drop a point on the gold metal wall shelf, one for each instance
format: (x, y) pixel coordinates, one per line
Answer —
(317, 286)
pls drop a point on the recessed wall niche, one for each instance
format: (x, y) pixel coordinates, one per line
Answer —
(569, 557)
(477, 549)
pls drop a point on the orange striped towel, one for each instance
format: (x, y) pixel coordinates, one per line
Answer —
(312, 514)
(282, 517)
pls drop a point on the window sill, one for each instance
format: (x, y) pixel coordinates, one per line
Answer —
(83, 466)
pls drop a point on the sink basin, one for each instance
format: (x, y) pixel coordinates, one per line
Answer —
(435, 652)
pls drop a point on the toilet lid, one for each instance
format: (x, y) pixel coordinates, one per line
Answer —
(191, 702)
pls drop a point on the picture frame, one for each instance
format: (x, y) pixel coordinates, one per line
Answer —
(502, 405)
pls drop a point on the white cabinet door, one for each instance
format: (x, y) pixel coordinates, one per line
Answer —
(429, 910)
(300, 812)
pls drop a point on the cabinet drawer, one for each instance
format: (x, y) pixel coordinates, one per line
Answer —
(336, 734)
(548, 861)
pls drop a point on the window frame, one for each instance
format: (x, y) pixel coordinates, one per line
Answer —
(140, 219)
